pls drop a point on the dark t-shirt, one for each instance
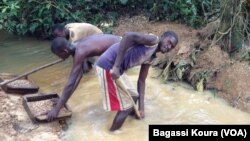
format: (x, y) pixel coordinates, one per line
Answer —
(133, 57)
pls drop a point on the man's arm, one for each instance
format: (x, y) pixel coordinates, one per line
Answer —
(141, 87)
(129, 40)
(73, 81)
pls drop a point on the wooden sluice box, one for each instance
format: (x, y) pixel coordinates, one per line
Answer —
(35, 105)
(20, 86)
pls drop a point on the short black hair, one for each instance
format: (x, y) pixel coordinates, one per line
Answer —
(58, 44)
(170, 33)
(59, 27)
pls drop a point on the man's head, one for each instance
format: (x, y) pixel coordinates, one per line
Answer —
(58, 30)
(60, 47)
(168, 41)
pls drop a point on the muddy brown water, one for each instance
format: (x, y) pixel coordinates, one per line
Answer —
(170, 103)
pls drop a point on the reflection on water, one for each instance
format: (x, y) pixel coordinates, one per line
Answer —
(171, 103)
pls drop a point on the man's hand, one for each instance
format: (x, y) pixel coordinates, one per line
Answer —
(115, 73)
(142, 114)
(55, 101)
(52, 114)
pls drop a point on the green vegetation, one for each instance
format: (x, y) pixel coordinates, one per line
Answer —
(193, 12)
(36, 17)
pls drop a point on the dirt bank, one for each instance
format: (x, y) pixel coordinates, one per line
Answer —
(15, 125)
(233, 85)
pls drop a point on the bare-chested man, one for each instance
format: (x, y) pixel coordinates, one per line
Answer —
(74, 32)
(90, 46)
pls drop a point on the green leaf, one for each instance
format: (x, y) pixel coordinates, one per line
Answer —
(181, 63)
(3, 11)
(124, 1)
(33, 27)
(48, 6)
(179, 73)
(199, 86)
(166, 70)
(193, 57)
(41, 11)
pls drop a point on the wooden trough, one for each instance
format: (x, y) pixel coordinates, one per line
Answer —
(36, 105)
(20, 86)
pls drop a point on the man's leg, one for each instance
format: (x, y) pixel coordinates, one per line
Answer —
(121, 116)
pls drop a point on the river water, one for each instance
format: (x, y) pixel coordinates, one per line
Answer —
(165, 103)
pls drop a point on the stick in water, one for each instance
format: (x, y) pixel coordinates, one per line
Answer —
(30, 72)
(122, 86)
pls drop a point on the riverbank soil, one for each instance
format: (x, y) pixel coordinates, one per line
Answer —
(15, 125)
(195, 62)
